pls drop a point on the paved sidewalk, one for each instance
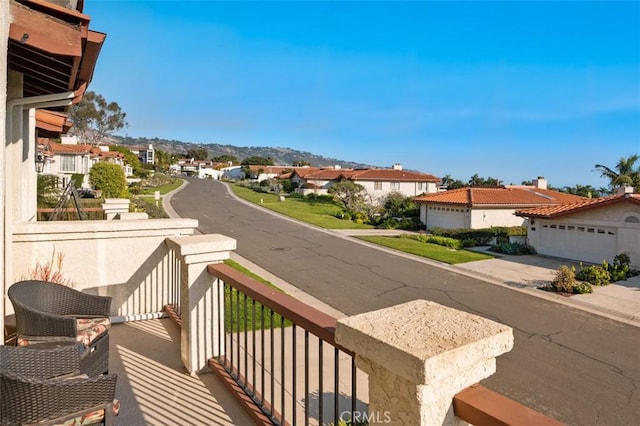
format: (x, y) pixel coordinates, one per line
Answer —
(619, 301)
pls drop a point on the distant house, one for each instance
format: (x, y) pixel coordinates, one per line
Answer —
(591, 230)
(67, 159)
(377, 182)
(146, 155)
(480, 207)
(381, 182)
(260, 172)
(201, 168)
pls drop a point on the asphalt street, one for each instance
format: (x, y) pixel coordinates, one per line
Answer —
(577, 367)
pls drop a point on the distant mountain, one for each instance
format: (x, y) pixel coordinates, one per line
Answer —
(280, 156)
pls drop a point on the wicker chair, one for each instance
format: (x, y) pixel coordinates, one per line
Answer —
(43, 385)
(49, 312)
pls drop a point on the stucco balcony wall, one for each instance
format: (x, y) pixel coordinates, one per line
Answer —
(127, 260)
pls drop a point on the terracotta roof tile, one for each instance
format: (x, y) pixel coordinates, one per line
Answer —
(500, 196)
(585, 204)
(58, 148)
(393, 175)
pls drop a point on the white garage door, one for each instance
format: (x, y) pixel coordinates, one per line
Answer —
(584, 243)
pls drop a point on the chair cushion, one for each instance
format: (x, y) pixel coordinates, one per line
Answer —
(89, 329)
(93, 417)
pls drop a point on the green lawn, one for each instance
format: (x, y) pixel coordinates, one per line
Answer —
(428, 250)
(317, 213)
(236, 306)
(164, 189)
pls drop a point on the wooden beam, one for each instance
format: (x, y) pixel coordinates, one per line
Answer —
(480, 406)
(41, 31)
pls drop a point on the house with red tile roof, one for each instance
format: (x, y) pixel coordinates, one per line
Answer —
(591, 230)
(484, 207)
(67, 159)
(377, 182)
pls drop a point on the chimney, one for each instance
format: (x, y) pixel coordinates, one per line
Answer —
(540, 183)
(625, 189)
(397, 166)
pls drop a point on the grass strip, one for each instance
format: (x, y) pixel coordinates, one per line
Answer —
(428, 250)
(164, 189)
(238, 309)
(315, 212)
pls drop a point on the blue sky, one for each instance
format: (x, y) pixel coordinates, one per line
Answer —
(511, 90)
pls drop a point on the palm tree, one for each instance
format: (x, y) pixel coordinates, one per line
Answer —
(623, 173)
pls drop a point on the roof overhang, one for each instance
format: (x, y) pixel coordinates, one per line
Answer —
(51, 123)
(52, 47)
(544, 213)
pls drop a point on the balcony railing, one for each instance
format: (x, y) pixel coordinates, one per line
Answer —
(422, 360)
(282, 354)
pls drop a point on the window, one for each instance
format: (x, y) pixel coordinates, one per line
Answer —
(632, 219)
(395, 186)
(591, 230)
(420, 186)
(68, 163)
(377, 186)
(561, 227)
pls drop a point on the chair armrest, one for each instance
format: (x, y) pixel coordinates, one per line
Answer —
(32, 322)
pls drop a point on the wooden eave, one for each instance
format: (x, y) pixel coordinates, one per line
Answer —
(52, 47)
(59, 11)
(44, 32)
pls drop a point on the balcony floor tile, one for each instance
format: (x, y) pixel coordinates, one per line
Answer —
(154, 387)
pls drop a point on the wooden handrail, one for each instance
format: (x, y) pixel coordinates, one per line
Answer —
(309, 318)
(480, 406)
(70, 210)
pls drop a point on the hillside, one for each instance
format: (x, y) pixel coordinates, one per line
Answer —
(281, 156)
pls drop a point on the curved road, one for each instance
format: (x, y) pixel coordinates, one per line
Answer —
(577, 367)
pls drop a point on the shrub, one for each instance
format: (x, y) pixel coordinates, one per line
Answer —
(108, 178)
(565, 279)
(582, 288)
(433, 239)
(482, 236)
(344, 215)
(620, 270)
(512, 248)
(469, 242)
(149, 207)
(594, 275)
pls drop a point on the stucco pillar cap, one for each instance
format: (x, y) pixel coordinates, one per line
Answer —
(201, 244)
(422, 341)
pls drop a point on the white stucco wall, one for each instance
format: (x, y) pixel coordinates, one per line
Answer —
(127, 260)
(591, 236)
(486, 218)
(408, 189)
(4, 242)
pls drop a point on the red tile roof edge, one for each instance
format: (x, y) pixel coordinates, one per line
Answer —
(562, 210)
